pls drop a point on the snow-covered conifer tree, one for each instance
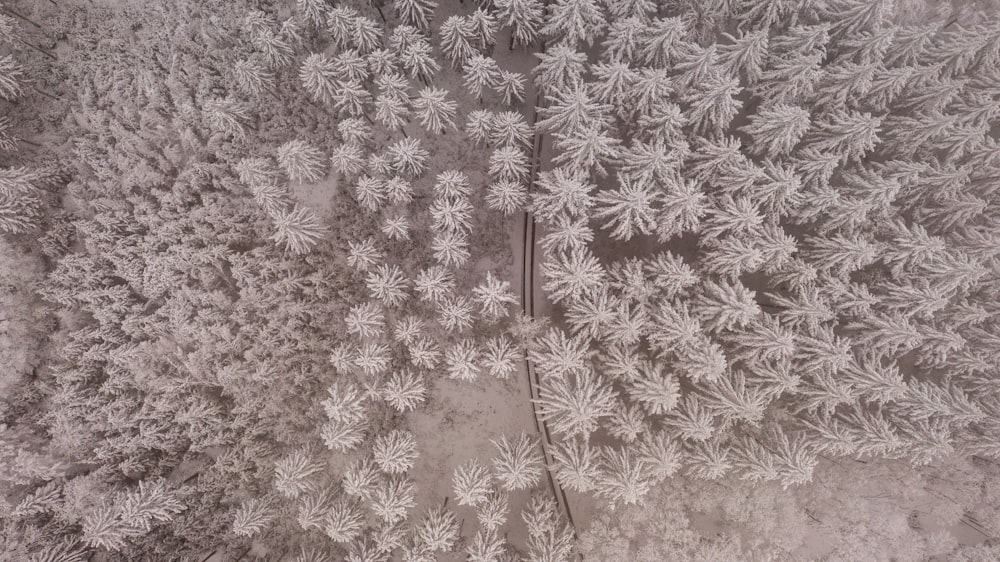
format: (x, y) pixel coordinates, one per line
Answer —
(396, 227)
(275, 51)
(524, 17)
(393, 498)
(455, 314)
(351, 98)
(494, 296)
(509, 163)
(301, 161)
(517, 465)
(550, 537)
(478, 125)
(588, 149)
(355, 131)
(575, 464)
(565, 233)
(510, 128)
(559, 69)
(347, 159)
(340, 23)
(472, 483)
(253, 516)
(624, 39)
(485, 546)
(351, 66)
(574, 404)
(556, 354)
(408, 157)
(395, 451)
(462, 360)
(435, 111)
(500, 356)
(388, 284)
(11, 75)
(563, 190)
(458, 39)
(367, 35)
(438, 529)
(485, 26)
(713, 104)
(380, 165)
(342, 435)
(297, 229)
(404, 391)
(373, 358)
(370, 193)
(480, 72)
(425, 353)
(652, 86)
(319, 77)
(850, 135)
(660, 454)
(452, 184)
(451, 214)
(627, 423)
(575, 20)
(510, 86)
(434, 283)
(344, 521)
(726, 305)
(398, 190)
(383, 62)
(623, 479)
(573, 108)
(508, 197)
(492, 514)
(418, 13)
(656, 390)
(451, 248)
(365, 320)
(252, 171)
(342, 357)
(363, 255)
(252, 76)
(418, 59)
(292, 473)
(571, 275)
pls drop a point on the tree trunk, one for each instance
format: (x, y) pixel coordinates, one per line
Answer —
(13, 13)
(37, 48)
(379, 10)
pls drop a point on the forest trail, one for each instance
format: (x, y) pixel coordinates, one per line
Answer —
(528, 291)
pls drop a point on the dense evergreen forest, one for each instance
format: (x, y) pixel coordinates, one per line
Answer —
(499, 280)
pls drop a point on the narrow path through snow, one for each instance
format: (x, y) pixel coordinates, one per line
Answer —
(528, 288)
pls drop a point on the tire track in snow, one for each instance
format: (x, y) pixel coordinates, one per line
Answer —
(528, 308)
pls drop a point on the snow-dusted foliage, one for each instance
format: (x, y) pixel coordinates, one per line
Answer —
(791, 164)
(275, 252)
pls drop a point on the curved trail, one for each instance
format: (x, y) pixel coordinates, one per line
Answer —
(528, 308)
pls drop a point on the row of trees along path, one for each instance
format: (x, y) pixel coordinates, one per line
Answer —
(528, 267)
